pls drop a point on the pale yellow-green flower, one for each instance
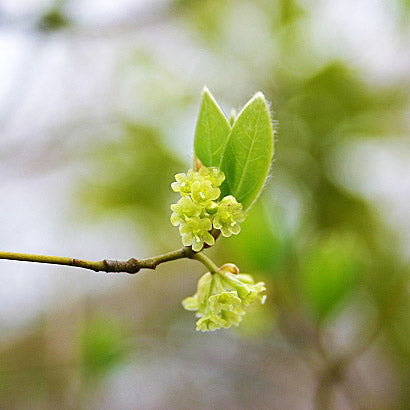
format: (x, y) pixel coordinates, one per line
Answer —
(199, 210)
(221, 298)
(199, 299)
(228, 216)
(195, 232)
(214, 175)
(203, 193)
(183, 182)
(183, 210)
(210, 322)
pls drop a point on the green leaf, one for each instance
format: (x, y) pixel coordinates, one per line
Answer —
(212, 130)
(248, 152)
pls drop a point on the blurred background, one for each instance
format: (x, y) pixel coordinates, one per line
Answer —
(98, 103)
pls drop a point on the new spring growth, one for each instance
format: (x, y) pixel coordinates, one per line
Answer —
(198, 210)
(221, 298)
(242, 148)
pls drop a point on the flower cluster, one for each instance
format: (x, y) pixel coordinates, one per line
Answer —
(221, 298)
(198, 210)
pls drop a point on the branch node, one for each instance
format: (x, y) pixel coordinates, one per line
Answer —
(188, 252)
(132, 265)
(110, 266)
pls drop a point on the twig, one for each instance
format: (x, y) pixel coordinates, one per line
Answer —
(106, 265)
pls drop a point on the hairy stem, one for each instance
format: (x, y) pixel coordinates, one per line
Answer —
(129, 266)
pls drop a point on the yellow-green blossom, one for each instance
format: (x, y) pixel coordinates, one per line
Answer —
(199, 299)
(214, 175)
(203, 193)
(183, 182)
(198, 210)
(221, 298)
(225, 301)
(195, 232)
(247, 289)
(228, 216)
(231, 318)
(183, 210)
(210, 322)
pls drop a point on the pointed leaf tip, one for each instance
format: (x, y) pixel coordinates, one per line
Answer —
(211, 132)
(259, 94)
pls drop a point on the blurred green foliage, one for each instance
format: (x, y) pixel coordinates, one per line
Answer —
(55, 18)
(328, 272)
(101, 347)
(133, 175)
(262, 246)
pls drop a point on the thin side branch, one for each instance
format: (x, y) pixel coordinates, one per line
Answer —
(205, 261)
(130, 266)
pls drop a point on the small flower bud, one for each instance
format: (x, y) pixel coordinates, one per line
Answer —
(230, 267)
(212, 208)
